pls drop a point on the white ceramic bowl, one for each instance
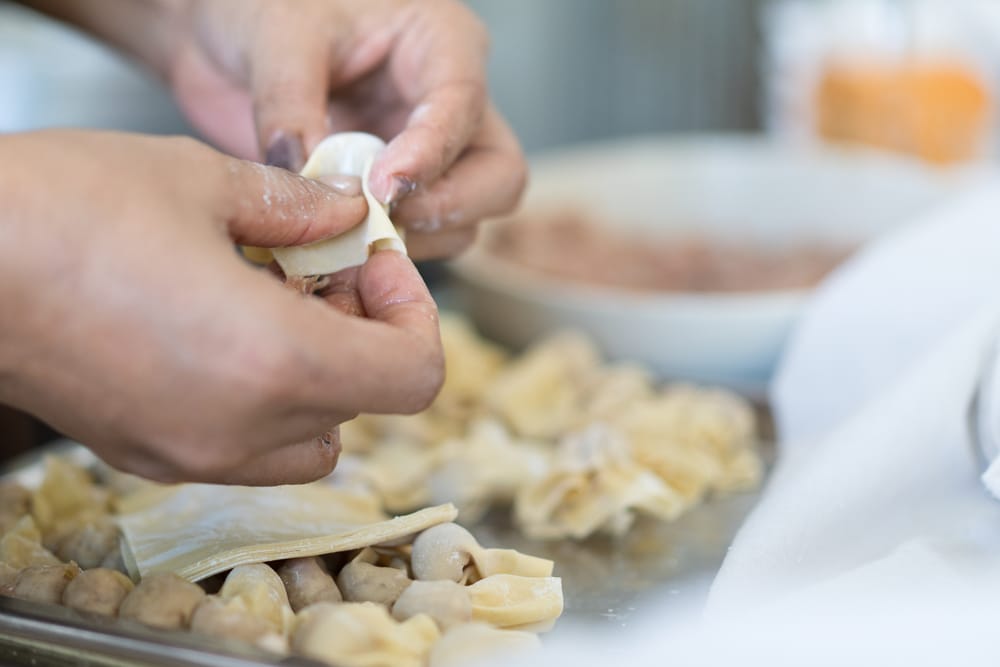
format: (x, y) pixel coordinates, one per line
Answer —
(727, 187)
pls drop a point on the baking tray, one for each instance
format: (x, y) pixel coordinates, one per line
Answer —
(605, 582)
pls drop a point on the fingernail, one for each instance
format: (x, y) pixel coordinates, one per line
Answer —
(286, 151)
(401, 186)
(349, 186)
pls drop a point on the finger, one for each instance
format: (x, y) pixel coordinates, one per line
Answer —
(435, 133)
(446, 84)
(294, 464)
(390, 363)
(289, 83)
(271, 207)
(440, 245)
(488, 180)
(342, 292)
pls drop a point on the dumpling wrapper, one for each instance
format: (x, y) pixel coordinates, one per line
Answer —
(349, 153)
(594, 485)
(363, 634)
(197, 530)
(475, 643)
(510, 601)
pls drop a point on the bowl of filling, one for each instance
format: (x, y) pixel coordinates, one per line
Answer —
(691, 255)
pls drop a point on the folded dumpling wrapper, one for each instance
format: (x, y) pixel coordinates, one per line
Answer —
(594, 485)
(363, 634)
(512, 601)
(197, 530)
(348, 153)
(477, 642)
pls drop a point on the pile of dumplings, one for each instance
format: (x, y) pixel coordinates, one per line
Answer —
(434, 599)
(574, 445)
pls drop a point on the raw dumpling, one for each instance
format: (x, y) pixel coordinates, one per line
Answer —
(447, 602)
(486, 466)
(538, 395)
(349, 153)
(98, 591)
(363, 634)
(21, 546)
(511, 601)
(15, 502)
(594, 485)
(450, 552)
(252, 606)
(307, 581)
(696, 440)
(473, 643)
(66, 496)
(44, 583)
(262, 593)
(162, 600)
(363, 580)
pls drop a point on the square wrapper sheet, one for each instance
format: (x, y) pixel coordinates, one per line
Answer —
(197, 530)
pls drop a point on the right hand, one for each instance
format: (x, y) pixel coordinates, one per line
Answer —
(131, 324)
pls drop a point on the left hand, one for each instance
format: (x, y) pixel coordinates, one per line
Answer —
(272, 78)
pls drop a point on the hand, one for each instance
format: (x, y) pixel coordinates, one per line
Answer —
(132, 325)
(279, 76)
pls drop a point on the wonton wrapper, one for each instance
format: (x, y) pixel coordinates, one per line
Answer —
(511, 601)
(348, 153)
(696, 440)
(486, 466)
(198, 530)
(363, 634)
(539, 394)
(473, 643)
(397, 470)
(449, 551)
(594, 485)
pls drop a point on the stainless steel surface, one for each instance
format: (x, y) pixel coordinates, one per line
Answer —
(40, 635)
(605, 581)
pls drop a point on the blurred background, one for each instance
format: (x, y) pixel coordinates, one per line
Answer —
(562, 70)
(912, 75)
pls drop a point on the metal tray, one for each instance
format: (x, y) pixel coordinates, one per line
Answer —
(605, 581)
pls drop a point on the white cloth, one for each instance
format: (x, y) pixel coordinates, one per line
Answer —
(876, 542)
(877, 473)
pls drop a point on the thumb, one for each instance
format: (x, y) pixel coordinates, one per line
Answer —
(271, 207)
